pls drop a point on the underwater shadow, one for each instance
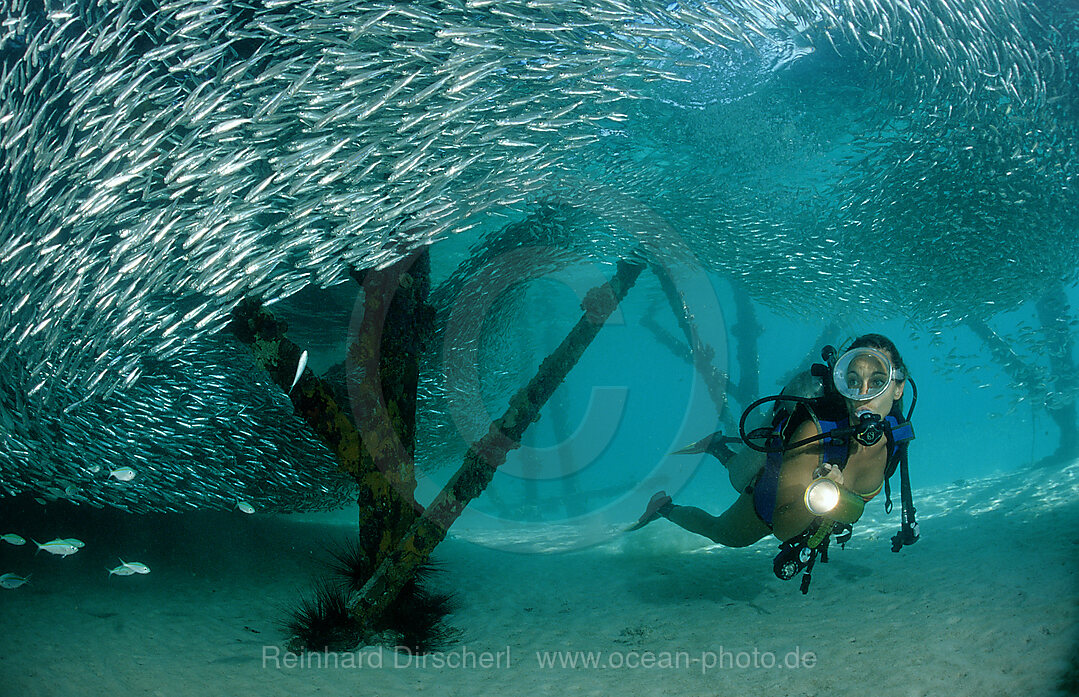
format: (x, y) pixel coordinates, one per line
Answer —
(716, 575)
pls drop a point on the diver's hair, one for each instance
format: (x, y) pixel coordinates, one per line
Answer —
(881, 343)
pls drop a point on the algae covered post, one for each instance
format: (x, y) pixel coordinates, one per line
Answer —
(383, 369)
(376, 453)
(488, 453)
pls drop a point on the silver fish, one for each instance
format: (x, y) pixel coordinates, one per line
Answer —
(12, 581)
(300, 365)
(129, 568)
(61, 548)
(152, 187)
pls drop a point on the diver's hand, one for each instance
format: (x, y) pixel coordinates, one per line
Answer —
(832, 472)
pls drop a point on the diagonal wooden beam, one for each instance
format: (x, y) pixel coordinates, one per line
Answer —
(273, 351)
(377, 448)
(700, 352)
(489, 452)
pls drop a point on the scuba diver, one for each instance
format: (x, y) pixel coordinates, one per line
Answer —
(837, 435)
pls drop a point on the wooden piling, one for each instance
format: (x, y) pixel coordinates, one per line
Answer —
(489, 452)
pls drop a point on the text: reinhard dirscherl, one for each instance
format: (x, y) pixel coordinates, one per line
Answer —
(468, 659)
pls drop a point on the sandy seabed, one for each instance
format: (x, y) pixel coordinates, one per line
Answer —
(985, 604)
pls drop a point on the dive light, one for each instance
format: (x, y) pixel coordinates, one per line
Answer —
(825, 498)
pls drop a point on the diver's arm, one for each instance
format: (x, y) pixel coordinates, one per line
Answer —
(791, 517)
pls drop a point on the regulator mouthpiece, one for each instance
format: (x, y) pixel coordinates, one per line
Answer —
(870, 428)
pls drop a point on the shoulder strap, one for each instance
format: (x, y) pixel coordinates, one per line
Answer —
(902, 431)
(899, 434)
(835, 450)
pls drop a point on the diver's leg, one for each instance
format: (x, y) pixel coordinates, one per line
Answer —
(741, 466)
(744, 467)
(738, 526)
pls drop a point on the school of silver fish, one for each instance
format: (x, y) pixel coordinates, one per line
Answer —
(159, 161)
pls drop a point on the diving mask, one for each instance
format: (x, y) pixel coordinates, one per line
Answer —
(863, 374)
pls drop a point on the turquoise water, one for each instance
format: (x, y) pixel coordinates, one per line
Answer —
(858, 167)
(803, 173)
(823, 196)
(631, 401)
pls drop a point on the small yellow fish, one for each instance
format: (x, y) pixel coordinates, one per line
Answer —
(245, 507)
(137, 566)
(13, 539)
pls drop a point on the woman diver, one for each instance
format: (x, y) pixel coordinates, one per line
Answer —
(822, 459)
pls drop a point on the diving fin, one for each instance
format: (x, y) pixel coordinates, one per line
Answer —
(660, 504)
(714, 444)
